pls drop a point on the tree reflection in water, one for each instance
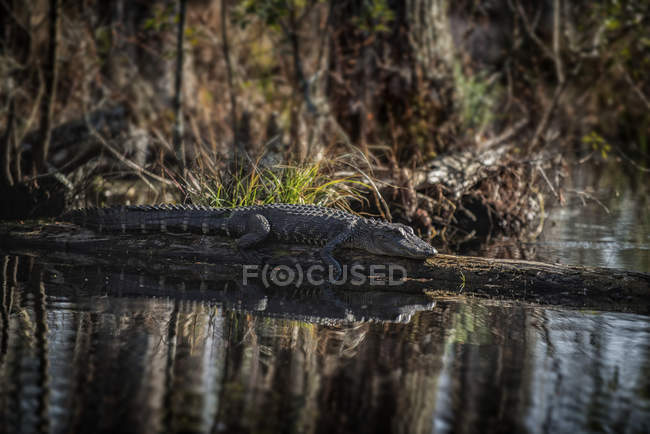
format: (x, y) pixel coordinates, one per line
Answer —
(79, 355)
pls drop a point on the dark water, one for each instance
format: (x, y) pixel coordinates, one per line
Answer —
(605, 221)
(86, 356)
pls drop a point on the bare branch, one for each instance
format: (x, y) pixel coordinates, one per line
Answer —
(531, 31)
(634, 86)
(139, 170)
(555, 54)
(546, 118)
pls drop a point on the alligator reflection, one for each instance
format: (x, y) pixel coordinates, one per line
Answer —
(88, 352)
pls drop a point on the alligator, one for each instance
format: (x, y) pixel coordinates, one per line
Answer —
(327, 228)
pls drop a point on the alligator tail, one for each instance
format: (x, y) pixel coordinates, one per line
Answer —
(146, 218)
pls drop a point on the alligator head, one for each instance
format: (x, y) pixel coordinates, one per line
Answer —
(396, 240)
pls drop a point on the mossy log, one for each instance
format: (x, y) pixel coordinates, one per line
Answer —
(195, 258)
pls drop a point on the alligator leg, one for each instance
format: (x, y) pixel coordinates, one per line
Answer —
(326, 254)
(257, 228)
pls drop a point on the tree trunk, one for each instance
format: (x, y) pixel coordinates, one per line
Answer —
(238, 148)
(41, 147)
(7, 144)
(179, 143)
(15, 31)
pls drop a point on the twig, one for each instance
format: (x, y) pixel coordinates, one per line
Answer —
(586, 158)
(539, 168)
(584, 194)
(631, 161)
(634, 86)
(546, 118)
(554, 55)
(507, 134)
(530, 31)
(139, 170)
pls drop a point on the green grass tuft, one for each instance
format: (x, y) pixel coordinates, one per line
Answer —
(308, 184)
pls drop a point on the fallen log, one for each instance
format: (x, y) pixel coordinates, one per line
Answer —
(200, 260)
(102, 279)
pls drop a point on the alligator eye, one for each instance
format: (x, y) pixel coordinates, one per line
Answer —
(404, 229)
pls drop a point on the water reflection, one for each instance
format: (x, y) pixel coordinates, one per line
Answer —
(84, 356)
